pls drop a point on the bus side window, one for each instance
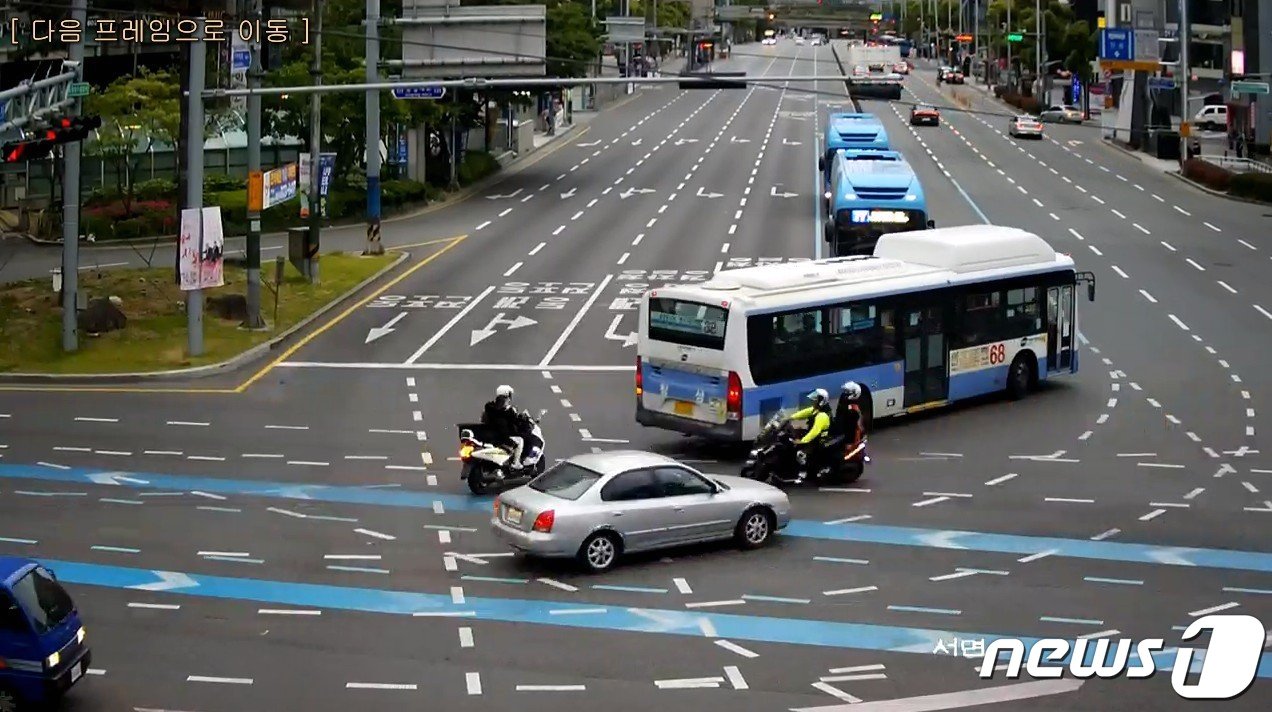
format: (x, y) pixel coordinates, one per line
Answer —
(981, 318)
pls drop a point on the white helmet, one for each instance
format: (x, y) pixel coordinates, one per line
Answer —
(819, 395)
(852, 390)
(504, 392)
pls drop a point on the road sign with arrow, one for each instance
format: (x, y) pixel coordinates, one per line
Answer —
(480, 335)
(628, 340)
(637, 141)
(378, 332)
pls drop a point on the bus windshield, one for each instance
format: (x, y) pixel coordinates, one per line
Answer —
(687, 323)
(43, 599)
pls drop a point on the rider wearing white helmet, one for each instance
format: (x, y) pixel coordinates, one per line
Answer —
(504, 423)
(848, 418)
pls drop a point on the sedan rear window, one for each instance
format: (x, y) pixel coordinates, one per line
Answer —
(565, 480)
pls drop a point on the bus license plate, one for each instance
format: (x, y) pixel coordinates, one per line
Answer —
(684, 408)
(513, 515)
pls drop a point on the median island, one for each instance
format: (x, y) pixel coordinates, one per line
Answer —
(136, 320)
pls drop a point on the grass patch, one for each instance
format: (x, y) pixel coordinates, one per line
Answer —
(155, 338)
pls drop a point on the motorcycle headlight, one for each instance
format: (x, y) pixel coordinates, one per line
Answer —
(755, 452)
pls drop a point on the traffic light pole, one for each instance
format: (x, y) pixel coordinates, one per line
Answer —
(71, 204)
(374, 246)
(254, 320)
(194, 175)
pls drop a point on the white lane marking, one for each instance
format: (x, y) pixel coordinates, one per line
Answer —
(1152, 515)
(220, 680)
(1178, 323)
(1226, 286)
(512, 269)
(1263, 311)
(382, 685)
(1212, 227)
(557, 584)
(1193, 262)
(1148, 296)
(735, 648)
(682, 586)
(1185, 212)
(155, 606)
(187, 422)
(1035, 557)
(1141, 228)
(1213, 609)
(473, 681)
(377, 535)
(1122, 274)
(714, 604)
(533, 252)
(288, 612)
(97, 420)
(1105, 535)
(843, 591)
(735, 677)
(1243, 242)
(1000, 480)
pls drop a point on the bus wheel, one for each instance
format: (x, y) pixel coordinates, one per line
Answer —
(1020, 377)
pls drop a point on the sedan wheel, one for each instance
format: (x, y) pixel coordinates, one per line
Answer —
(754, 529)
(599, 552)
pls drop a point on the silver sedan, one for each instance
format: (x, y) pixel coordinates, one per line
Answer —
(596, 507)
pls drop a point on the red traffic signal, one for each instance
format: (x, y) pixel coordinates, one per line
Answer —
(63, 130)
(18, 151)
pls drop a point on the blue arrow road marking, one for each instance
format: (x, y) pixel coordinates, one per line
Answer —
(861, 533)
(791, 631)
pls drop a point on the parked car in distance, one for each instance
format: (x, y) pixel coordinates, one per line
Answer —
(901, 68)
(1025, 125)
(923, 114)
(597, 507)
(1061, 114)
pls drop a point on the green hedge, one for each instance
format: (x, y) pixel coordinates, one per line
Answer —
(475, 166)
(1257, 186)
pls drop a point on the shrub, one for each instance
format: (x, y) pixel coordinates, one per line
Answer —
(395, 193)
(129, 229)
(1257, 186)
(475, 166)
(218, 182)
(1208, 174)
(155, 189)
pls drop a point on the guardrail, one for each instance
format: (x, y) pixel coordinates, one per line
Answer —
(1237, 165)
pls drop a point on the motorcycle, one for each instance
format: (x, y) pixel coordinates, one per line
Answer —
(777, 460)
(485, 464)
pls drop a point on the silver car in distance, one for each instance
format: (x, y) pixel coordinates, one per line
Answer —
(596, 507)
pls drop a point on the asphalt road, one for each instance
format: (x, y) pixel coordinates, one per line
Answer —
(305, 542)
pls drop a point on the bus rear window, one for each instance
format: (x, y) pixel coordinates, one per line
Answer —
(687, 323)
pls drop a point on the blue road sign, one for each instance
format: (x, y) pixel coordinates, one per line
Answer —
(433, 92)
(1117, 43)
(242, 59)
(1161, 83)
(1077, 89)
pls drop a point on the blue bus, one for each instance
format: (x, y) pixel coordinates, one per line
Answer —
(872, 193)
(933, 317)
(850, 132)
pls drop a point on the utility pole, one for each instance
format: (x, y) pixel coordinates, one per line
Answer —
(254, 320)
(194, 171)
(71, 202)
(1040, 40)
(374, 246)
(1185, 72)
(1009, 3)
(315, 142)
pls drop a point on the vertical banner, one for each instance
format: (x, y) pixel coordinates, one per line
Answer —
(326, 167)
(240, 62)
(201, 249)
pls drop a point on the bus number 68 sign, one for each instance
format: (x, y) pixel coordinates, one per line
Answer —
(997, 353)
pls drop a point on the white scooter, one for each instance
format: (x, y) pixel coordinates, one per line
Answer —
(486, 464)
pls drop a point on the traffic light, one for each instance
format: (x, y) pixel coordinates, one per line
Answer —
(62, 130)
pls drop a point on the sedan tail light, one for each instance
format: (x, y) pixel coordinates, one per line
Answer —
(496, 507)
(543, 523)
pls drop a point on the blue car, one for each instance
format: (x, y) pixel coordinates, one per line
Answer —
(42, 650)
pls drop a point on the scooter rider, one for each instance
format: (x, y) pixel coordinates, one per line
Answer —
(814, 441)
(505, 423)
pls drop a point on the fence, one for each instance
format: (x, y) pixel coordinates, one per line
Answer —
(1238, 165)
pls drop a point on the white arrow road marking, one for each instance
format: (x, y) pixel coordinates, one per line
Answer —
(709, 195)
(773, 192)
(114, 478)
(489, 330)
(628, 340)
(683, 141)
(789, 143)
(587, 145)
(569, 193)
(168, 580)
(1173, 556)
(958, 700)
(497, 196)
(942, 540)
(637, 142)
(1075, 143)
(735, 139)
(377, 332)
(637, 191)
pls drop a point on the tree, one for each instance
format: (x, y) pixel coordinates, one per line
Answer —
(136, 112)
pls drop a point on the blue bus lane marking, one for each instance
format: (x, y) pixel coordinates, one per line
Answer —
(849, 532)
(790, 631)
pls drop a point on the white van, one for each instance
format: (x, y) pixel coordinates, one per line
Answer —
(1212, 118)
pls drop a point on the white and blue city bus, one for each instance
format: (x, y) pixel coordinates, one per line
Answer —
(931, 318)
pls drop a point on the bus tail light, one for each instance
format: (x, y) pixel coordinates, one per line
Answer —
(733, 399)
(640, 380)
